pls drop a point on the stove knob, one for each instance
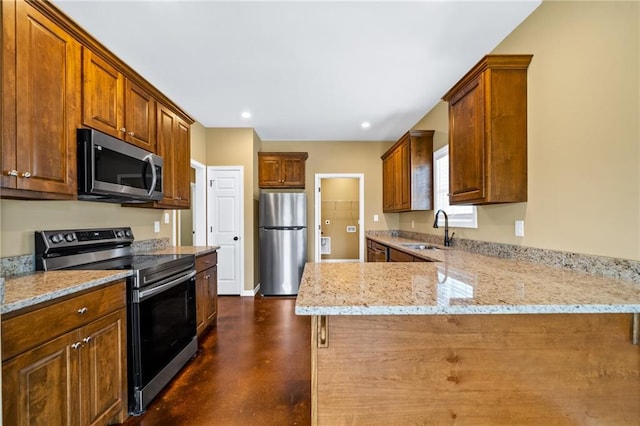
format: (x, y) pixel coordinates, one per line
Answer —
(120, 234)
(70, 237)
(128, 233)
(56, 238)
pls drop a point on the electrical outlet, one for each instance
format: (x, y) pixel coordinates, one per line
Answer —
(413, 224)
(167, 218)
(156, 226)
(519, 228)
(351, 229)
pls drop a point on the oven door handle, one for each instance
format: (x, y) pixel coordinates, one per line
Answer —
(145, 294)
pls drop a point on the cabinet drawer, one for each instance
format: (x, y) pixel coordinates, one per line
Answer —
(206, 261)
(28, 330)
(399, 256)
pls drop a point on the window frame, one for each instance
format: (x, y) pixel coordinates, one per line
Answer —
(456, 219)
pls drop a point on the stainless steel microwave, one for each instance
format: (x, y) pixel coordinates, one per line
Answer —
(115, 171)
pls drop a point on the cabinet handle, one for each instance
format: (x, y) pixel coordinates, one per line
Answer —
(206, 277)
(26, 175)
(131, 134)
(123, 130)
(82, 310)
(11, 173)
(76, 345)
(86, 340)
(323, 331)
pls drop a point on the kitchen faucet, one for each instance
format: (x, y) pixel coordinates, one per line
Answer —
(447, 239)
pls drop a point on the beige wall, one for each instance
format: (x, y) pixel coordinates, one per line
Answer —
(237, 147)
(21, 218)
(583, 133)
(344, 157)
(198, 143)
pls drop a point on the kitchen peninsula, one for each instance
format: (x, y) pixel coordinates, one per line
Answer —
(470, 339)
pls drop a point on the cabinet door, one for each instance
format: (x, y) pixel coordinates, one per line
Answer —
(140, 118)
(212, 283)
(466, 145)
(402, 179)
(102, 370)
(47, 99)
(102, 95)
(201, 301)
(294, 171)
(41, 385)
(270, 171)
(182, 165)
(165, 134)
(388, 184)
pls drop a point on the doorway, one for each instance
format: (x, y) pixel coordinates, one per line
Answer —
(192, 229)
(339, 213)
(225, 209)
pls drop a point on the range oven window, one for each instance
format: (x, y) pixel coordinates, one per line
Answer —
(167, 322)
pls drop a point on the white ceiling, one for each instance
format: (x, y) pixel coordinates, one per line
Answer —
(305, 70)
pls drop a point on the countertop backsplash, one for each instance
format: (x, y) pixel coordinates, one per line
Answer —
(623, 269)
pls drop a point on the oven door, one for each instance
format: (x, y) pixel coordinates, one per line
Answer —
(162, 336)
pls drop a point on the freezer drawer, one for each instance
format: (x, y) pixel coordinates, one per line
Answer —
(283, 253)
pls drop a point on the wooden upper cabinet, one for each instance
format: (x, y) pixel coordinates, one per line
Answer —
(116, 105)
(140, 117)
(102, 95)
(173, 146)
(281, 169)
(40, 105)
(488, 132)
(407, 173)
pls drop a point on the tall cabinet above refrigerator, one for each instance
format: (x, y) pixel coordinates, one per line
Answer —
(283, 242)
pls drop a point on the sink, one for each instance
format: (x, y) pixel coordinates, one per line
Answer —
(418, 246)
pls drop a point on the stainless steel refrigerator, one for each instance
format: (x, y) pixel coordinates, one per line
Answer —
(283, 242)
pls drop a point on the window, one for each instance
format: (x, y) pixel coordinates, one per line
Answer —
(459, 216)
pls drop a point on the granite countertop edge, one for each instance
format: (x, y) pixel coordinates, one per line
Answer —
(75, 287)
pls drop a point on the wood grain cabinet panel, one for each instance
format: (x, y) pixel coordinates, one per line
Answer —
(281, 169)
(407, 173)
(488, 132)
(206, 291)
(40, 105)
(116, 105)
(73, 376)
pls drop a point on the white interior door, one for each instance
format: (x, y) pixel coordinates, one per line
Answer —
(225, 219)
(199, 204)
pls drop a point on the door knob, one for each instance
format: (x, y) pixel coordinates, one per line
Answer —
(235, 238)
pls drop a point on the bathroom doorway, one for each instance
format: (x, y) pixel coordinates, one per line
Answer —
(339, 209)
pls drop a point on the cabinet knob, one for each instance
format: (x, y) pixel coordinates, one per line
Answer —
(123, 130)
(131, 133)
(83, 310)
(11, 172)
(86, 340)
(76, 345)
(25, 175)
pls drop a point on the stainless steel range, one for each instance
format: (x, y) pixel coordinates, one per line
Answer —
(161, 309)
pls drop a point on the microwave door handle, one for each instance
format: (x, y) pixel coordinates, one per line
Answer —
(154, 176)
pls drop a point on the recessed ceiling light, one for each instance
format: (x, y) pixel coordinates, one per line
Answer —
(365, 125)
(246, 114)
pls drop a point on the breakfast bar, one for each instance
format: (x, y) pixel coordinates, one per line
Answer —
(470, 339)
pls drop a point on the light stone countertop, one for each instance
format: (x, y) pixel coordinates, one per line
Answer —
(28, 290)
(457, 282)
(23, 291)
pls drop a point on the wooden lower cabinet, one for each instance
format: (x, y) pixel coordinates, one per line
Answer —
(76, 378)
(551, 369)
(206, 291)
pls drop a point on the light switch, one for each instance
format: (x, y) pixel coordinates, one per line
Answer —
(156, 226)
(166, 218)
(519, 228)
(375, 218)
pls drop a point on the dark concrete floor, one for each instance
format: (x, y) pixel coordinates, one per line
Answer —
(254, 368)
